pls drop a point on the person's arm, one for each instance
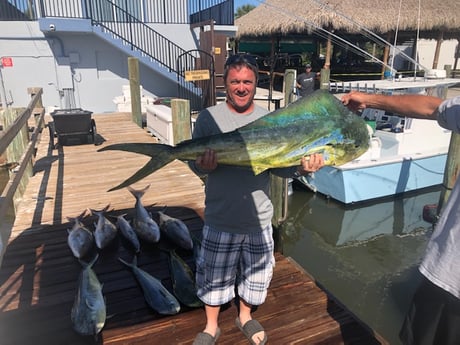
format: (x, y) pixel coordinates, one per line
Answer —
(417, 106)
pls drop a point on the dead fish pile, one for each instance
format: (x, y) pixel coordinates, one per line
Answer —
(155, 294)
(88, 312)
(80, 239)
(105, 231)
(176, 230)
(146, 228)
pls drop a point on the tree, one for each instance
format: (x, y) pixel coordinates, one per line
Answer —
(242, 10)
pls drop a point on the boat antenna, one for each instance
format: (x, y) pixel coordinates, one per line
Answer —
(396, 34)
(417, 38)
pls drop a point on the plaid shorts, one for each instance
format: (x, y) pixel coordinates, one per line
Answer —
(227, 260)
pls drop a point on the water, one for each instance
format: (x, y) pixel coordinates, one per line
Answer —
(365, 256)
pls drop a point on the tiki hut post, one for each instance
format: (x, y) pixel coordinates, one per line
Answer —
(327, 61)
(438, 49)
(386, 54)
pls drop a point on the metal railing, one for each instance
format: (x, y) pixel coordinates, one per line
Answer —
(136, 34)
(147, 11)
(19, 10)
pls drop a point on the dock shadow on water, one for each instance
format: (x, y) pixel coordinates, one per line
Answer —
(365, 255)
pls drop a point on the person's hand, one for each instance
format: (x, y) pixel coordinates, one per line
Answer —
(207, 161)
(355, 100)
(310, 164)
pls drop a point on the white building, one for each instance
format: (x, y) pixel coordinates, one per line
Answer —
(78, 50)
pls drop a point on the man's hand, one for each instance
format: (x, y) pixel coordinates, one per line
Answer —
(355, 100)
(207, 162)
(310, 164)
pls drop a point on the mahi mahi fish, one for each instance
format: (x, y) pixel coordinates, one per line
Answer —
(319, 123)
(176, 230)
(146, 228)
(105, 231)
(88, 312)
(79, 239)
(155, 294)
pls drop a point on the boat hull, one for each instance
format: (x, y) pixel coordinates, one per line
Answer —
(361, 184)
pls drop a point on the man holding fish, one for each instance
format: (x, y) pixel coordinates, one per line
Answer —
(434, 316)
(237, 246)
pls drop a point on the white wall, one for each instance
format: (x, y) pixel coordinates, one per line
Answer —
(94, 68)
(426, 49)
(425, 53)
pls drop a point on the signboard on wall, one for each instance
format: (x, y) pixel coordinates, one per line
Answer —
(199, 74)
(7, 61)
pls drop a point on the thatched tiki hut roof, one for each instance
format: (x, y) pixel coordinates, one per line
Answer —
(283, 17)
(432, 19)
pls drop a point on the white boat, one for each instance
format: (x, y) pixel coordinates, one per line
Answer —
(405, 154)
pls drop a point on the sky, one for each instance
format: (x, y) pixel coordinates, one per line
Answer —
(239, 3)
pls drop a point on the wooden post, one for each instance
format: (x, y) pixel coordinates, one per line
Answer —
(181, 122)
(386, 55)
(448, 69)
(290, 76)
(279, 187)
(32, 91)
(452, 165)
(324, 79)
(327, 61)
(438, 49)
(451, 170)
(135, 90)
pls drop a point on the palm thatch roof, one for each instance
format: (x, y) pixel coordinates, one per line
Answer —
(278, 17)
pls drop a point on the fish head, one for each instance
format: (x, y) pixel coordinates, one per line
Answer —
(347, 135)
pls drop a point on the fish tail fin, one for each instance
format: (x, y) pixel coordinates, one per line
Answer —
(132, 264)
(77, 218)
(98, 212)
(138, 193)
(161, 154)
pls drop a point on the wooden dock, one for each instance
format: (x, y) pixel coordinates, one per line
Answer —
(39, 275)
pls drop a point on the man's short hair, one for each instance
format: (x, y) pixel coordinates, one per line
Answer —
(241, 60)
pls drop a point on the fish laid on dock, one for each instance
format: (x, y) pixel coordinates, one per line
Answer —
(176, 230)
(105, 231)
(183, 281)
(155, 294)
(128, 233)
(89, 311)
(146, 228)
(80, 239)
(319, 123)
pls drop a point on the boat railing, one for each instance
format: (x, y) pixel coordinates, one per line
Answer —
(343, 87)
